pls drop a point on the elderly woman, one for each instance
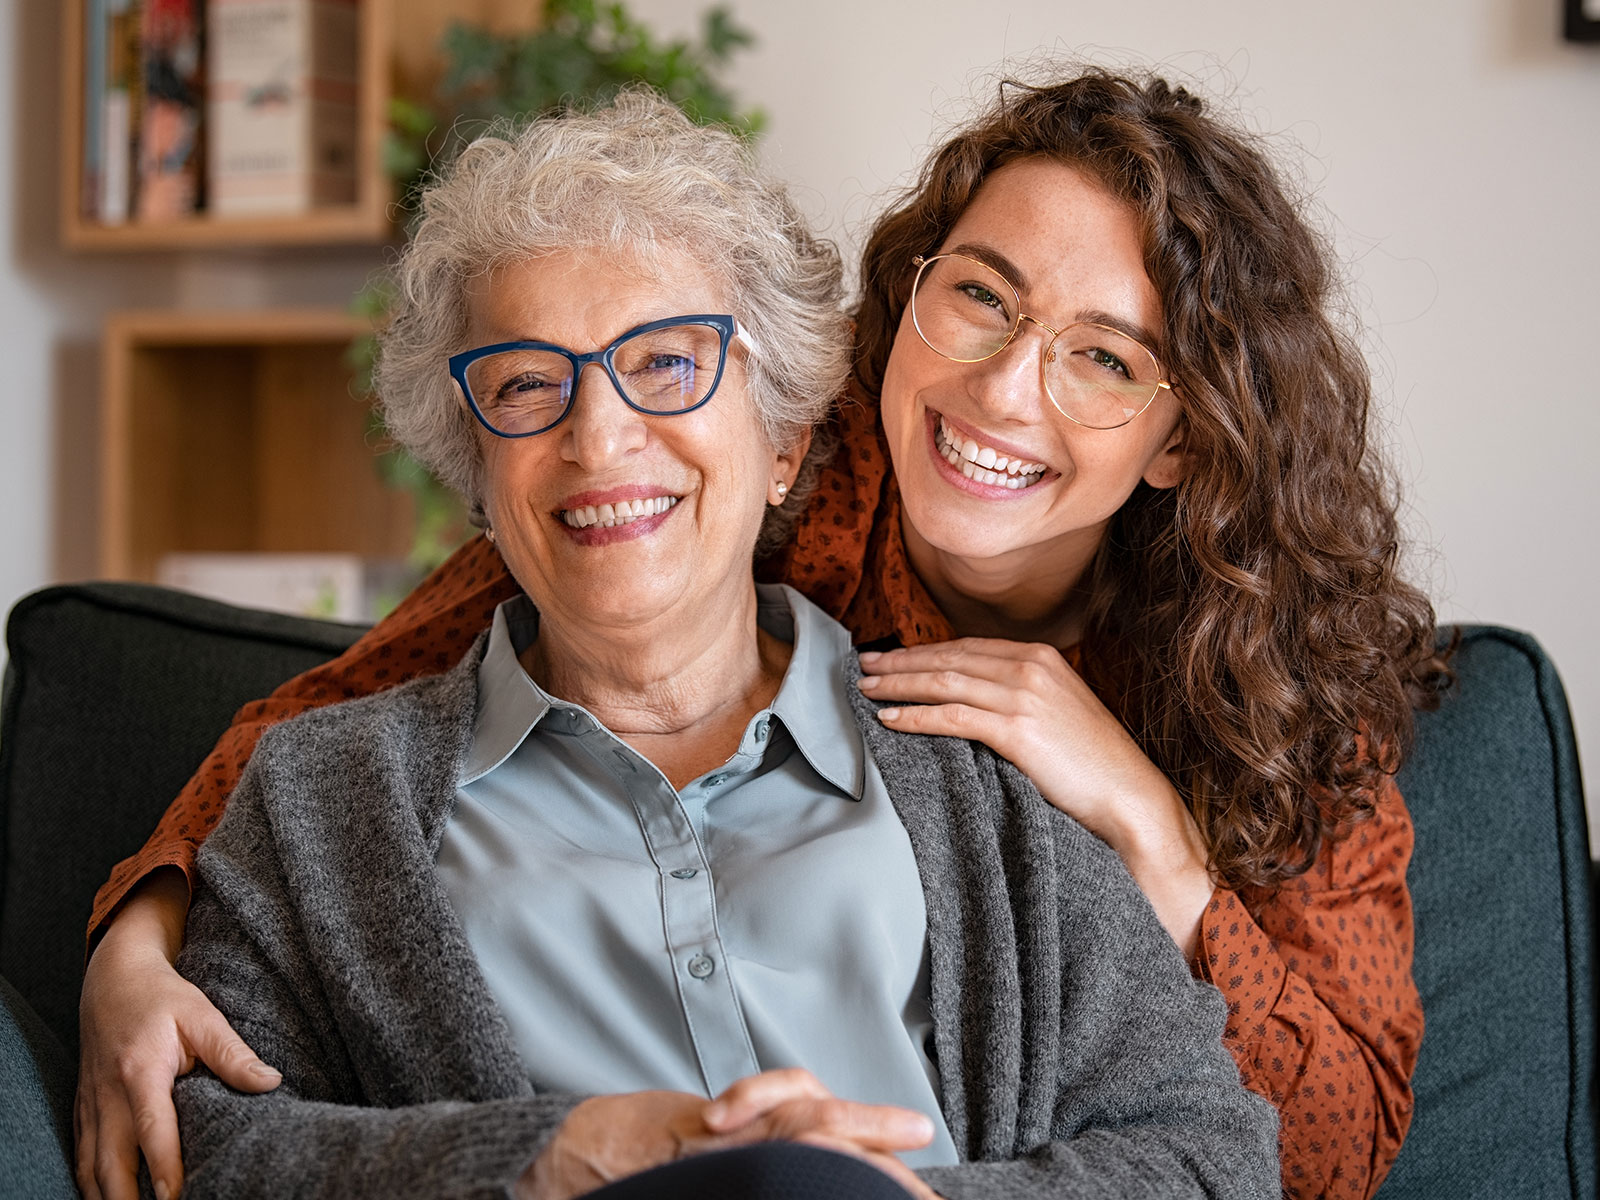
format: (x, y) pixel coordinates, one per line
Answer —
(645, 875)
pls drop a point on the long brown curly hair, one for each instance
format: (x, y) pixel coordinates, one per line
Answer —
(1248, 626)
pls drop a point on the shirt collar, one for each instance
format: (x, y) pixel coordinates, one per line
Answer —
(811, 700)
(510, 704)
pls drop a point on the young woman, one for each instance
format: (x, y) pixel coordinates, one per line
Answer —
(1178, 612)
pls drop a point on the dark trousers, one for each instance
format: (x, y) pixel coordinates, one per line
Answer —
(764, 1171)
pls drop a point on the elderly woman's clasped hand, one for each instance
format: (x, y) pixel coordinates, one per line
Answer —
(610, 1137)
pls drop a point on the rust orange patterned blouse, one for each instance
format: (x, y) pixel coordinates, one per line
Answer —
(1323, 1016)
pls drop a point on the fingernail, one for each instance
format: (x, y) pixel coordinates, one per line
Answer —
(888, 714)
(162, 1191)
(715, 1112)
(922, 1127)
(870, 680)
(870, 656)
(262, 1071)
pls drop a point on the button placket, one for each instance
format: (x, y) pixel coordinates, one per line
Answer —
(711, 1009)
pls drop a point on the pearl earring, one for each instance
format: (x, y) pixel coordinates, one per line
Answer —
(488, 534)
(783, 490)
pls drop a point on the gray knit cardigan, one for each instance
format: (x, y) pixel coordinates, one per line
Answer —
(1077, 1055)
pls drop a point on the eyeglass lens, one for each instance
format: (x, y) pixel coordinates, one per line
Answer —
(967, 311)
(660, 371)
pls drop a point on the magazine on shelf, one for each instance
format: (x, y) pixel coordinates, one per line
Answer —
(332, 586)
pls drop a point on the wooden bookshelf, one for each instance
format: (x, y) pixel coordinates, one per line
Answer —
(238, 432)
(367, 219)
(398, 50)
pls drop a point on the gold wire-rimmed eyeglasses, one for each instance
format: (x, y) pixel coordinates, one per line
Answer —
(1095, 376)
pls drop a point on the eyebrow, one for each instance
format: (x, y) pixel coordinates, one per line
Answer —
(1127, 328)
(990, 257)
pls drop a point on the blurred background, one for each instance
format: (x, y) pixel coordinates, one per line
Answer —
(1451, 150)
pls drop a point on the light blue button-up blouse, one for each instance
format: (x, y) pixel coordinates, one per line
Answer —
(636, 937)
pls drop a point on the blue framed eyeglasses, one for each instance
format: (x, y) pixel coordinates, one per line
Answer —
(661, 368)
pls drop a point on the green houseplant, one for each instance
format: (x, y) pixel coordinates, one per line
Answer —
(582, 52)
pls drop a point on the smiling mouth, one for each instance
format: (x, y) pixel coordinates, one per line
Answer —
(622, 512)
(984, 464)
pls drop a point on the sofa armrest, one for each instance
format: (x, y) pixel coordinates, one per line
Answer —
(36, 1090)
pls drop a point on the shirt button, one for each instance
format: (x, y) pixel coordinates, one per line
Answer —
(761, 730)
(685, 873)
(701, 967)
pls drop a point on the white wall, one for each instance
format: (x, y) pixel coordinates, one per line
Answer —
(1455, 142)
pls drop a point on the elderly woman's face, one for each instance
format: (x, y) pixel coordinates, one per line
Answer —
(699, 481)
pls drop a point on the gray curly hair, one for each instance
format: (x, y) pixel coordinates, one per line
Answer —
(624, 177)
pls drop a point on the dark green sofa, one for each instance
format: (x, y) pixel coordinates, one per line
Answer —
(114, 692)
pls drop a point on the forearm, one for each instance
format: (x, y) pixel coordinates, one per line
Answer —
(151, 916)
(1332, 1047)
(278, 1144)
(1322, 1077)
(1160, 844)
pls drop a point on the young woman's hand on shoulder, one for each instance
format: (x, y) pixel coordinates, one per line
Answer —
(1026, 703)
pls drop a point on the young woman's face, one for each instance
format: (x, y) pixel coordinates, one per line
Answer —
(1073, 253)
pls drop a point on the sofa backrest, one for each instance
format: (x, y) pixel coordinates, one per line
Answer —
(1502, 889)
(114, 693)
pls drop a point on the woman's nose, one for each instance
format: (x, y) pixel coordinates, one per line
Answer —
(1009, 386)
(601, 429)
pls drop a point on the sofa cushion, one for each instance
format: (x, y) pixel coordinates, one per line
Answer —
(114, 693)
(1501, 885)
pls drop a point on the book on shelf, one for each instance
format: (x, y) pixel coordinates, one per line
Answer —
(94, 91)
(120, 96)
(173, 99)
(282, 112)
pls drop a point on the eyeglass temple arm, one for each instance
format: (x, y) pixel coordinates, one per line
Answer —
(746, 338)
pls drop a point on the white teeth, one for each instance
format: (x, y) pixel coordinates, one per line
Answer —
(622, 512)
(984, 463)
